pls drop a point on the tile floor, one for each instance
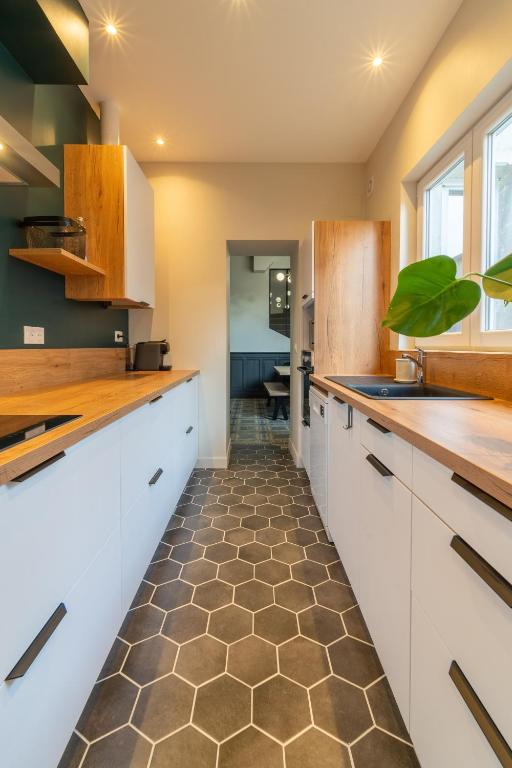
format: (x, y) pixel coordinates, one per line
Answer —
(251, 422)
(244, 647)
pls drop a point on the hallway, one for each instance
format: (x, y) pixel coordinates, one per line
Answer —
(251, 423)
(244, 647)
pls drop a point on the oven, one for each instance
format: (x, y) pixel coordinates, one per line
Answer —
(306, 369)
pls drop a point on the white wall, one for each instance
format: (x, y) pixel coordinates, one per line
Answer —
(248, 307)
(199, 206)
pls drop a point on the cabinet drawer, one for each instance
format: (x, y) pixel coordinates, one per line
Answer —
(391, 450)
(39, 710)
(137, 453)
(51, 527)
(481, 526)
(473, 621)
(444, 732)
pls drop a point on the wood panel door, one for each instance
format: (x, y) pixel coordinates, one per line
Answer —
(351, 293)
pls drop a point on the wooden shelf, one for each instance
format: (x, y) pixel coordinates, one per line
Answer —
(57, 260)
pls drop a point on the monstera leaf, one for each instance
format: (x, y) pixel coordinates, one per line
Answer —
(429, 298)
(502, 270)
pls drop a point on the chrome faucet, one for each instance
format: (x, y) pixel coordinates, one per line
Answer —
(420, 363)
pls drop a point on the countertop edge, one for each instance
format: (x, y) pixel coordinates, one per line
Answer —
(493, 484)
(80, 429)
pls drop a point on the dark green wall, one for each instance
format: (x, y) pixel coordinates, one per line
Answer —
(48, 116)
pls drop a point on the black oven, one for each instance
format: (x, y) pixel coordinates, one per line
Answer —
(306, 369)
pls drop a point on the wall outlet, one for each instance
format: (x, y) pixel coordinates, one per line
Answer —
(33, 334)
(119, 336)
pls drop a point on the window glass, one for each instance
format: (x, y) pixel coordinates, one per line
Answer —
(498, 316)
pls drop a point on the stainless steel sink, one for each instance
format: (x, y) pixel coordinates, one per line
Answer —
(386, 388)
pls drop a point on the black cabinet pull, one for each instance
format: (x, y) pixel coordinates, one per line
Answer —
(481, 567)
(350, 414)
(485, 722)
(305, 296)
(189, 430)
(36, 646)
(384, 430)
(31, 472)
(155, 399)
(156, 477)
(189, 380)
(379, 466)
(482, 496)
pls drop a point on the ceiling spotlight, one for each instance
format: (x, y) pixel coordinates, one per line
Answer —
(111, 29)
(2, 146)
(160, 141)
(280, 276)
(377, 62)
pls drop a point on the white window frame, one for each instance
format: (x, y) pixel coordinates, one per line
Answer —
(463, 149)
(480, 337)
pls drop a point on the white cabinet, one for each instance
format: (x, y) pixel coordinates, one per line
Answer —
(307, 267)
(384, 582)
(139, 233)
(343, 487)
(318, 405)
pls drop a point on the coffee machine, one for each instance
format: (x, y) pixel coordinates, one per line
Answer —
(149, 356)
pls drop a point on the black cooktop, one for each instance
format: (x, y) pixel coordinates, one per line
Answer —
(18, 429)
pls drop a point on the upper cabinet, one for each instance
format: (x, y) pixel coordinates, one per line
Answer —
(105, 185)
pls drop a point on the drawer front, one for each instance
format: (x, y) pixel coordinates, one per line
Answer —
(137, 453)
(444, 732)
(38, 711)
(391, 450)
(51, 527)
(481, 526)
(473, 621)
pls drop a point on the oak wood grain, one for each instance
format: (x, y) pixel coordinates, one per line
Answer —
(472, 438)
(26, 370)
(99, 402)
(57, 260)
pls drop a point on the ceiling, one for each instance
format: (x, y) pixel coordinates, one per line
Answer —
(263, 247)
(259, 80)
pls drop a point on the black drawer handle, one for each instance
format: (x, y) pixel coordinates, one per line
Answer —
(305, 296)
(31, 472)
(379, 466)
(189, 430)
(155, 399)
(485, 722)
(350, 418)
(37, 644)
(189, 380)
(156, 477)
(482, 496)
(481, 567)
(384, 430)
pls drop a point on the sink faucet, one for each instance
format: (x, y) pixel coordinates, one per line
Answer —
(420, 363)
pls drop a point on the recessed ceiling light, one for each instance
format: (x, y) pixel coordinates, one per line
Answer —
(111, 29)
(2, 146)
(160, 141)
(377, 61)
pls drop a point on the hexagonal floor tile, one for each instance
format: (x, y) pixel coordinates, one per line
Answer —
(294, 595)
(287, 553)
(356, 625)
(207, 536)
(226, 522)
(321, 624)
(197, 522)
(162, 572)
(254, 553)
(213, 594)
(281, 500)
(163, 707)
(322, 553)
(201, 660)
(309, 572)
(355, 661)
(239, 536)
(241, 510)
(311, 523)
(222, 707)
(254, 595)
(177, 536)
(250, 749)
(205, 500)
(236, 571)
(108, 707)
(314, 748)
(173, 594)
(378, 750)
(272, 572)
(275, 624)
(255, 522)
(162, 552)
(284, 523)
(301, 537)
(123, 747)
(230, 623)
(305, 500)
(199, 571)
(270, 536)
(216, 510)
(185, 623)
(189, 510)
(141, 623)
(337, 573)
(336, 596)
(150, 659)
(340, 709)
(188, 748)
(252, 660)
(281, 708)
(254, 499)
(385, 710)
(220, 553)
(303, 661)
(143, 595)
(115, 659)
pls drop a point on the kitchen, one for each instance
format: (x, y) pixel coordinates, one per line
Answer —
(183, 599)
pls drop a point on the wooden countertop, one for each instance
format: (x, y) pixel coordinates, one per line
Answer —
(98, 401)
(470, 437)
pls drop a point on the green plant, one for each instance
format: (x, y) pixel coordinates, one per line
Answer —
(430, 298)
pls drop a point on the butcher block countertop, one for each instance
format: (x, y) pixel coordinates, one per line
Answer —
(98, 401)
(471, 437)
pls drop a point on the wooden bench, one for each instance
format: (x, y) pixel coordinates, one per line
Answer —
(279, 392)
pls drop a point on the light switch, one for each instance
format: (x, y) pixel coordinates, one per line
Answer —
(33, 334)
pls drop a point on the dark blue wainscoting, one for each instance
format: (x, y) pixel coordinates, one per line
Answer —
(250, 369)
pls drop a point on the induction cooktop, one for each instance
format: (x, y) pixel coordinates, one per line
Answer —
(18, 429)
